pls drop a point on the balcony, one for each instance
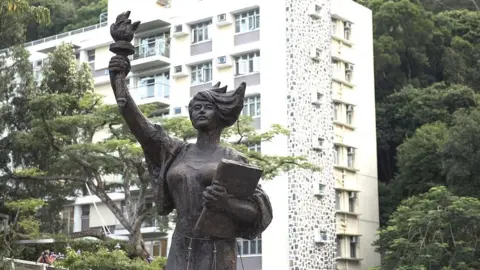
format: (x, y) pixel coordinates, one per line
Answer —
(151, 55)
(152, 93)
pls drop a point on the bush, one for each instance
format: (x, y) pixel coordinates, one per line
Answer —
(103, 259)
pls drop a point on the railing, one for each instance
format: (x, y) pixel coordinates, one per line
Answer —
(26, 265)
(63, 35)
(159, 47)
(161, 90)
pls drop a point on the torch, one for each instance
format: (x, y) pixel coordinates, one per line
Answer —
(122, 32)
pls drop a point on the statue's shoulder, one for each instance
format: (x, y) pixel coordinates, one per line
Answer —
(233, 154)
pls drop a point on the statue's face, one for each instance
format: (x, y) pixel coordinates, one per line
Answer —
(204, 116)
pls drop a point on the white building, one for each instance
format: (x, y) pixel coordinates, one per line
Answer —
(308, 66)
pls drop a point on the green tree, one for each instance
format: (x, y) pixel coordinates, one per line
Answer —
(447, 5)
(14, 15)
(404, 111)
(420, 165)
(461, 154)
(23, 224)
(435, 230)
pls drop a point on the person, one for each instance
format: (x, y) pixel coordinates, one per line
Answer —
(183, 172)
(45, 258)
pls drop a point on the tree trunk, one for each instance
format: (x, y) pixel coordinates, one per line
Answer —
(136, 241)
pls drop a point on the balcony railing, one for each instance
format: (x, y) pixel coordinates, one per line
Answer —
(155, 90)
(63, 35)
(159, 47)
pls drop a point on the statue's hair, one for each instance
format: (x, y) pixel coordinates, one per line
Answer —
(228, 105)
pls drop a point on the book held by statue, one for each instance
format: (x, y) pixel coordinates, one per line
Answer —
(240, 180)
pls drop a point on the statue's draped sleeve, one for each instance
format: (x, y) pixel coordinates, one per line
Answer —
(261, 202)
(159, 155)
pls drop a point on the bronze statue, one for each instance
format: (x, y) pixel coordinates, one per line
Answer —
(183, 172)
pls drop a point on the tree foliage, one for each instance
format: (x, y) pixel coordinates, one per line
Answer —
(104, 259)
(23, 224)
(435, 230)
(416, 49)
(14, 16)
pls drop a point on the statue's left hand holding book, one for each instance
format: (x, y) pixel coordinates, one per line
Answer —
(240, 181)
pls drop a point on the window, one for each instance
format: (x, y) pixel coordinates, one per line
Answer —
(255, 147)
(348, 72)
(177, 110)
(91, 56)
(85, 217)
(336, 155)
(336, 67)
(153, 45)
(336, 111)
(353, 246)
(85, 210)
(338, 198)
(68, 219)
(247, 63)
(250, 247)
(351, 157)
(202, 73)
(157, 248)
(349, 115)
(347, 30)
(339, 246)
(200, 32)
(251, 106)
(352, 200)
(247, 21)
(157, 85)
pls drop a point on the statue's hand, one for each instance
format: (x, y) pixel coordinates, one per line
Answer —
(123, 29)
(119, 63)
(216, 197)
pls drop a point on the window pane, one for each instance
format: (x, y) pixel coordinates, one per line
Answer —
(253, 247)
(245, 247)
(259, 246)
(200, 35)
(252, 109)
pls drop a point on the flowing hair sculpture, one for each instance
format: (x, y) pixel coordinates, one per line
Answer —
(228, 105)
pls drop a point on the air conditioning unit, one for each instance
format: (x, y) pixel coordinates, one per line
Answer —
(348, 25)
(179, 71)
(349, 67)
(180, 30)
(224, 19)
(315, 54)
(319, 190)
(317, 98)
(315, 11)
(321, 236)
(318, 143)
(224, 61)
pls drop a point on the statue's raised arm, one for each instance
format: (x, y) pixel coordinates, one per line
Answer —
(122, 32)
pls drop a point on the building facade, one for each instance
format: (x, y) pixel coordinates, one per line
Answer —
(308, 66)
